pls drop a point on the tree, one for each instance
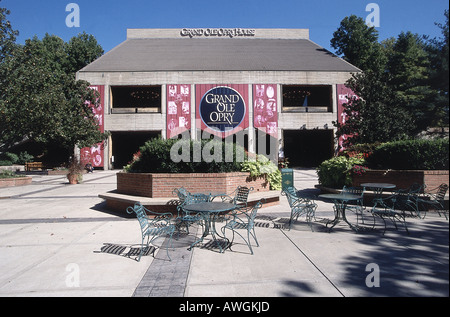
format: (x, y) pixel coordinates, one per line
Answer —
(438, 50)
(7, 34)
(408, 70)
(40, 102)
(373, 116)
(81, 50)
(358, 44)
(397, 96)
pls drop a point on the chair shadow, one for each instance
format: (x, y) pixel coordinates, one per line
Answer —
(130, 251)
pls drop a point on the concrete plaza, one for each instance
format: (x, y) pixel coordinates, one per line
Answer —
(60, 240)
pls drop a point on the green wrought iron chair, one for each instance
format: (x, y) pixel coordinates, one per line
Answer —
(153, 225)
(434, 200)
(358, 207)
(181, 193)
(243, 220)
(239, 197)
(299, 205)
(408, 199)
(385, 208)
(185, 217)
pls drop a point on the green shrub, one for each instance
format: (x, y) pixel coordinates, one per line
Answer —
(337, 172)
(411, 155)
(7, 174)
(24, 157)
(186, 156)
(7, 159)
(262, 166)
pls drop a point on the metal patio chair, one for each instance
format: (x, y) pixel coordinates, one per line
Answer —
(239, 197)
(358, 208)
(185, 217)
(243, 220)
(181, 193)
(408, 199)
(299, 205)
(385, 208)
(153, 225)
(434, 200)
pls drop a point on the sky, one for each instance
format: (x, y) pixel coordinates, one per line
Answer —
(108, 20)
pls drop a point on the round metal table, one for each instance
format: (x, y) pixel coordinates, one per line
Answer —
(209, 212)
(340, 203)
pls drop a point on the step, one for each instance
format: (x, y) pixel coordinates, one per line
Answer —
(120, 202)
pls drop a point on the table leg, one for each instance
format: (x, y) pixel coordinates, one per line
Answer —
(340, 214)
(210, 228)
(205, 231)
(336, 220)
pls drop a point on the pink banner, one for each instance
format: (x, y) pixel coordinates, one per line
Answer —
(344, 94)
(265, 115)
(178, 109)
(94, 155)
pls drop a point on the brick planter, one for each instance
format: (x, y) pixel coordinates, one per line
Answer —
(403, 179)
(159, 185)
(16, 181)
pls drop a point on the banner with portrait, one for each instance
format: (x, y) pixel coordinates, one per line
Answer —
(344, 94)
(178, 109)
(265, 115)
(95, 154)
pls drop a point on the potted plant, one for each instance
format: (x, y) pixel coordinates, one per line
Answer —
(75, 174)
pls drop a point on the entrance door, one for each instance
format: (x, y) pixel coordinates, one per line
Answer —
(125, 144)
(308, 148)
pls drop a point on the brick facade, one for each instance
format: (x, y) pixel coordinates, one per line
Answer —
(404, 179)
(16, 181)
(162, 185)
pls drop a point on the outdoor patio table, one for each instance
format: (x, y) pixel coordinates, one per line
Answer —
(378, 188)
(340, 203)
(209, 212)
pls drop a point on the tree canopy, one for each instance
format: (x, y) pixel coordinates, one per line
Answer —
(403, 88)
(40, 100)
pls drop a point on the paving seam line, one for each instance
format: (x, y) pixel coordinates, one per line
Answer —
(318, 269)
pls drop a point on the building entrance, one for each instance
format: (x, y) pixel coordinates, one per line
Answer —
(308, 148)
(125, 144)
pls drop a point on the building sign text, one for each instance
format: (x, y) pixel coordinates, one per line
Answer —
(236, 32)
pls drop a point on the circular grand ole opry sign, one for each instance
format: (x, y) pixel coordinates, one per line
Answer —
(222, 109)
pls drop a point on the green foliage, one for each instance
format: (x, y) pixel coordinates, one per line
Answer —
(337, 172)
(205, 156)
(49, 108)
(7, 158)
(8, 174)
(404, 85)
(263, 167)
(159, 156)
(7, 34)
(411, 155)
(358, 43)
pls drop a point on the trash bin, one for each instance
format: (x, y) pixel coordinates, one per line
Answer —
(287, 177)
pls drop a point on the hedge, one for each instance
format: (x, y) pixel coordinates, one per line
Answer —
(411, 155)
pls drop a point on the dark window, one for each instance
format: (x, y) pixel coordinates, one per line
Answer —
(135, 99)
(307, 98)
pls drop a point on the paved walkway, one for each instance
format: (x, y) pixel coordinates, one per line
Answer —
(59, 240)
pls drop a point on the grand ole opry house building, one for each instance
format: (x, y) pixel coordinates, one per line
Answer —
(272, 89)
